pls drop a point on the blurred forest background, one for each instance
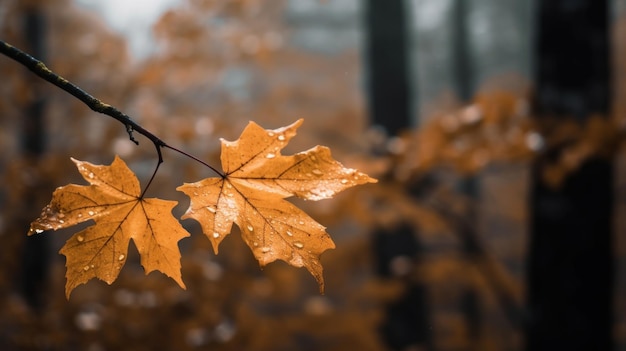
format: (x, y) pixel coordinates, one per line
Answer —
(494, 127)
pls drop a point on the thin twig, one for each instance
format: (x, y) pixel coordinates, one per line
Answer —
(40, 69)
(195, 159)
(156, 169)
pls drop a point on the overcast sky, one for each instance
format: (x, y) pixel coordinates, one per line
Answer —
(132, 18)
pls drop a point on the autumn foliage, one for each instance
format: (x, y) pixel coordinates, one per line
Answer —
(250, 193)
(114, 202)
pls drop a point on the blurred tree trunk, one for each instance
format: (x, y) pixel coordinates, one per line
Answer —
(406, 324)
(407, 319)
(570, 261)
(35, 250)
(460, 51)
(471, 304)
(387, 65)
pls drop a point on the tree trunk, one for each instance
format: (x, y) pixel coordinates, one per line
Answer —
(570, 261)
(35, 258)
(406, 324)
(460, 51)
(388, 69)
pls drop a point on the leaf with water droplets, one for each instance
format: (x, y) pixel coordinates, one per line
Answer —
(113, 200)
(252, 192)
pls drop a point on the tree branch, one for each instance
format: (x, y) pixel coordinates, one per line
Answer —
(41, 70)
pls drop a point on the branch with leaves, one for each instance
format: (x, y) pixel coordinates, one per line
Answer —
(250, 192)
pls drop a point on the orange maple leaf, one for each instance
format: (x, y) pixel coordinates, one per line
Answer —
(114, 202)
(251, 193)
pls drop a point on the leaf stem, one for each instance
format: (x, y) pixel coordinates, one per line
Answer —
(41, 70)
(195, 159)
(143, 193)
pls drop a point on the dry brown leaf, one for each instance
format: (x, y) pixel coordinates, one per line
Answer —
(114, 202)
(257, 179)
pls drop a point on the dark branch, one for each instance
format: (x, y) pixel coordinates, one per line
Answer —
(195, 159)
(40, 69)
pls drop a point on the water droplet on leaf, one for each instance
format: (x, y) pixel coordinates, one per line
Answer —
(298, 244)
(121, 257)
(270, 155)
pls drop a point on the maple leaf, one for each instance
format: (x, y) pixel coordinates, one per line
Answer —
(114, 202)
(251, 193)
